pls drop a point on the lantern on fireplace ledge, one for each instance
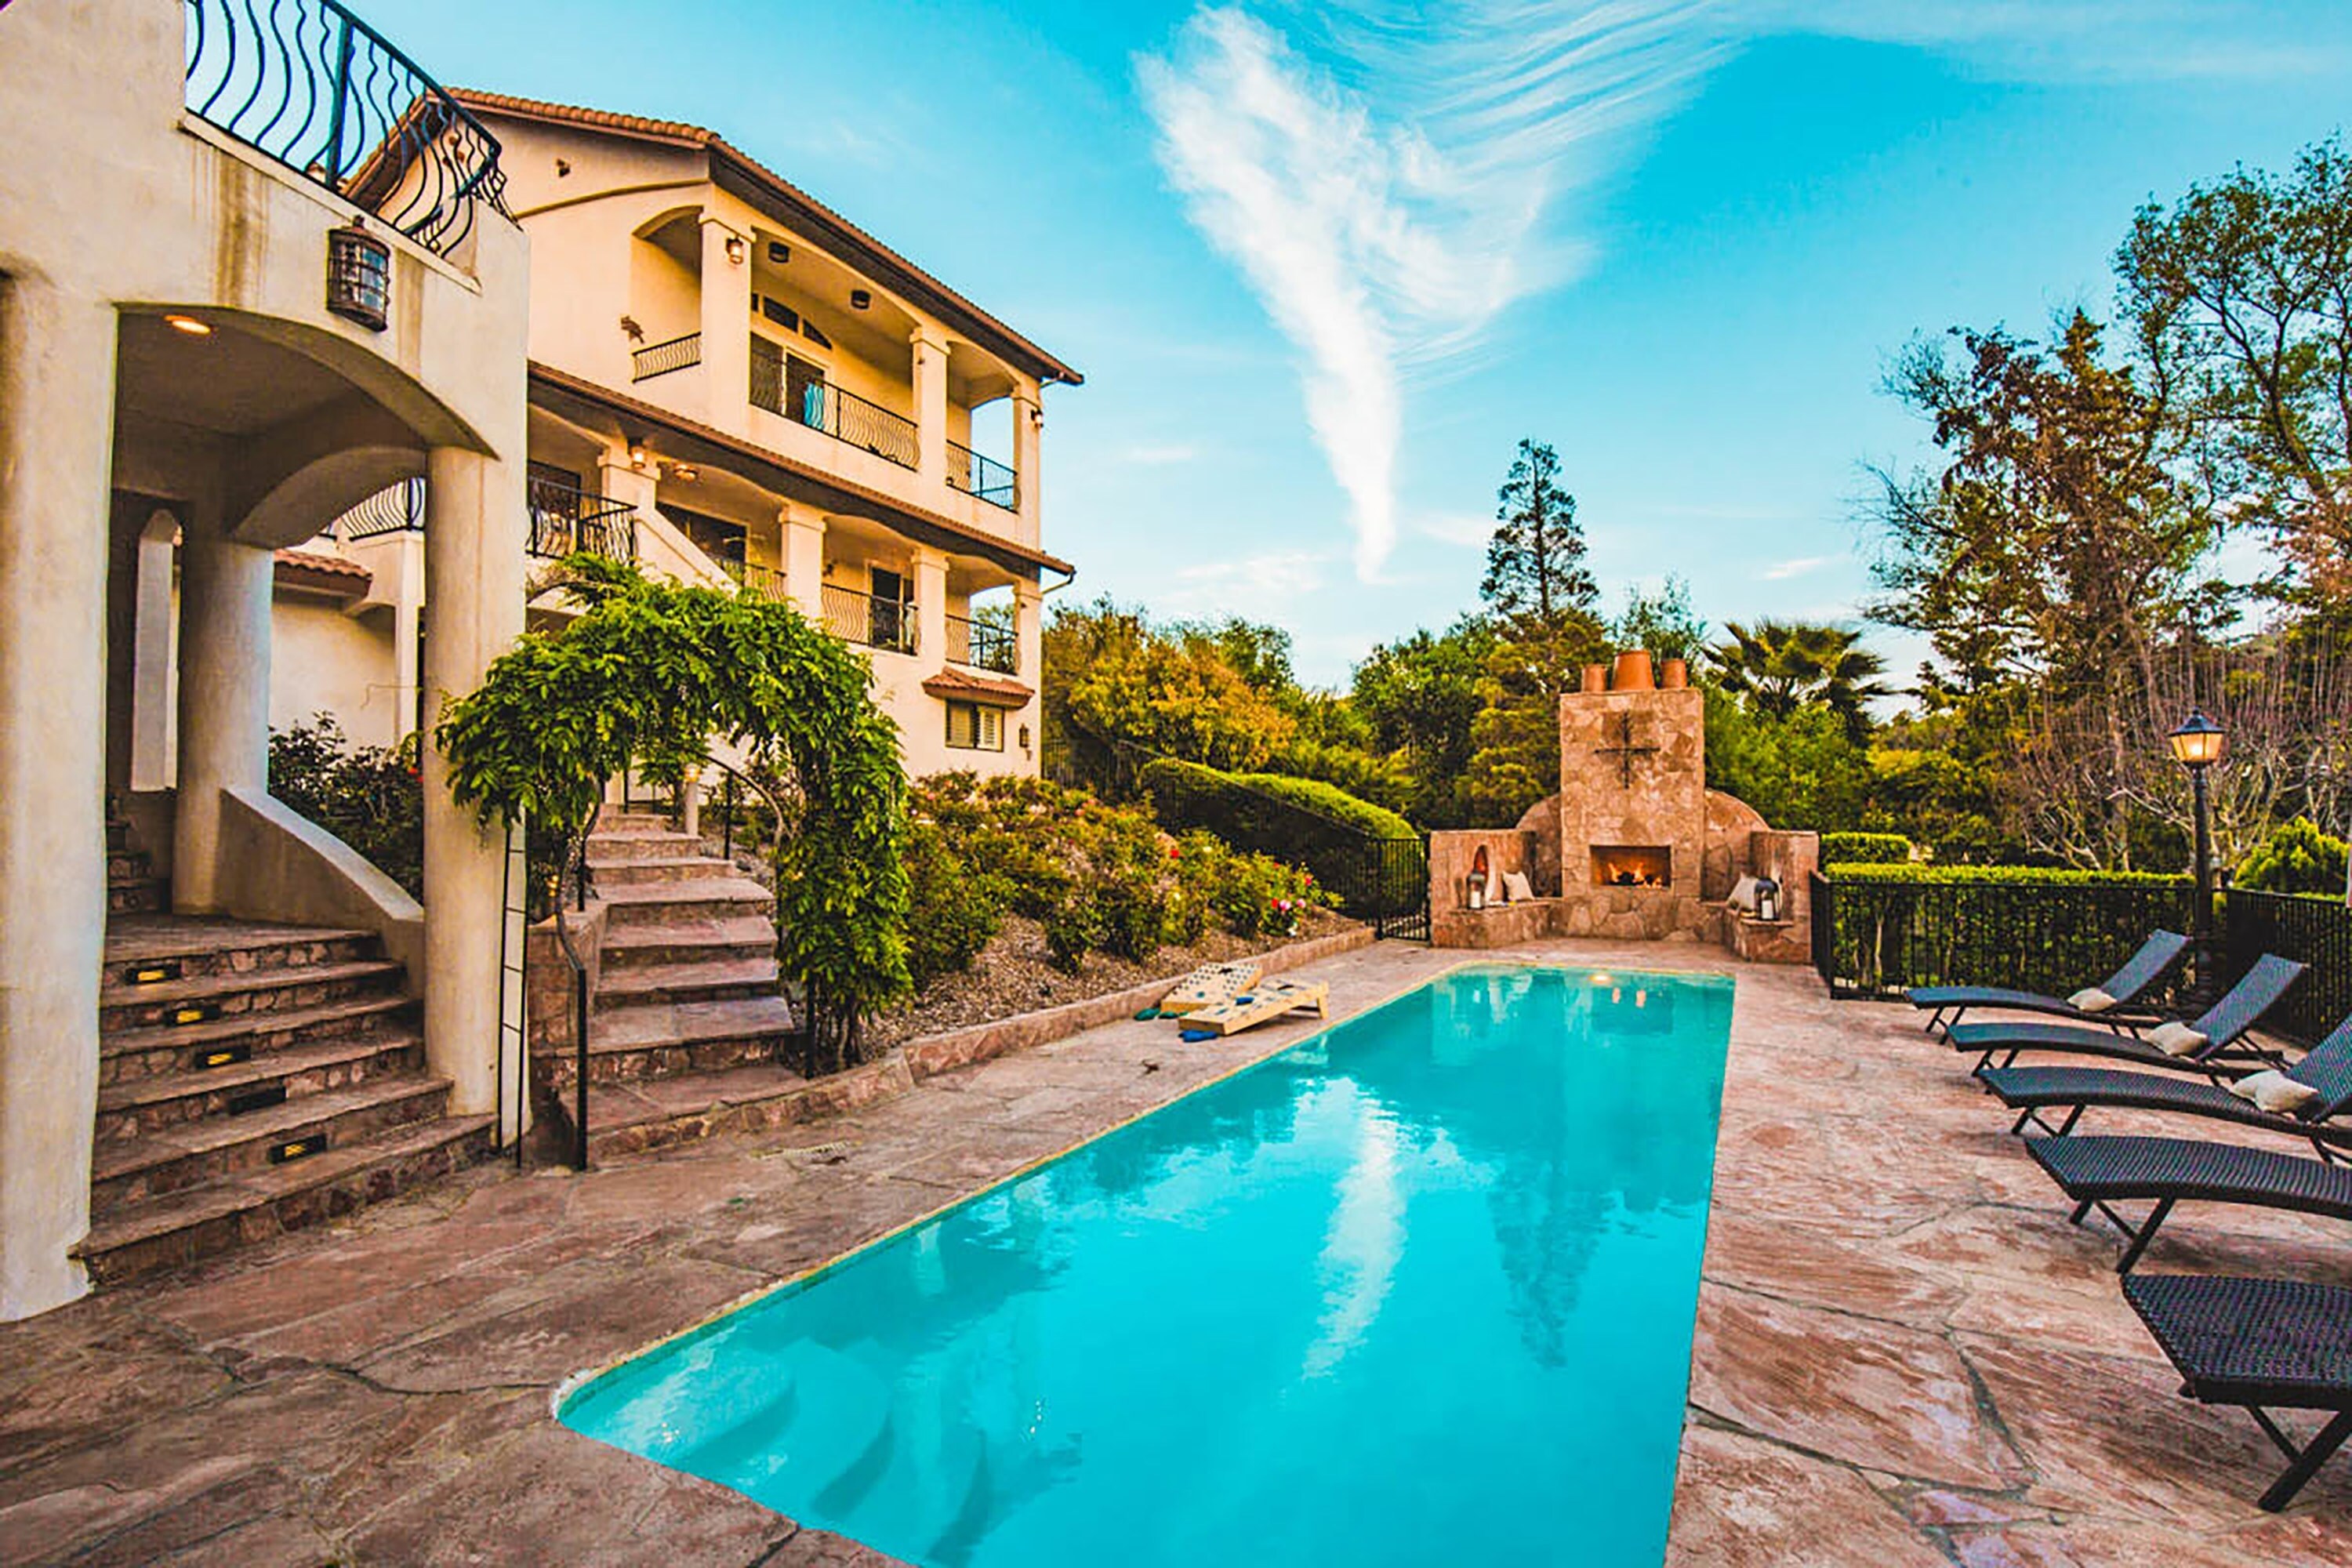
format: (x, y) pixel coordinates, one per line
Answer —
(1474, 885)
(359, 276)
(1768, 898)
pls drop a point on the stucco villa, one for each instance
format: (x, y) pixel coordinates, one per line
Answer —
(731, 383)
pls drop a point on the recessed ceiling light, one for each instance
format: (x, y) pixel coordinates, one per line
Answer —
(189, 325)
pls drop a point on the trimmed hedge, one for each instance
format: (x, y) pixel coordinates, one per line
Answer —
(1302, 821)
(1866, 849)
(1881, 930)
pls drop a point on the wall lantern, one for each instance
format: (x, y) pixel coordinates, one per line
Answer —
(359, 276)
(1768, 898)
(860, 299)
(637, 458)
(735, 250)
(1473, 887)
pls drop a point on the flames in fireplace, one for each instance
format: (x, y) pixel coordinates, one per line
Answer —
(1632, 866)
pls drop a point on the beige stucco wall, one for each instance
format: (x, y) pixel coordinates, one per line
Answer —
(326, 659)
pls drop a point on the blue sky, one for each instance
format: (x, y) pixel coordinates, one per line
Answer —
(1323, 269)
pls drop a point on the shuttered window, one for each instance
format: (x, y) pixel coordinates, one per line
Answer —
(974, 728)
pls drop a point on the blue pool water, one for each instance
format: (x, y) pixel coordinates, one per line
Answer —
(1417, 1290)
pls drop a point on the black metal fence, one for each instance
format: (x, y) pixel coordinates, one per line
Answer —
(1881, 938)
(396, 509)
(994, 482)
(564, 519)
(1384, 882)
(2313, 930)
(846, 417)
(309, 85)
(660, 359)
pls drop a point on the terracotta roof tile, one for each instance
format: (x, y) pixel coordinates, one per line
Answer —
(305, 568)
(995, 690)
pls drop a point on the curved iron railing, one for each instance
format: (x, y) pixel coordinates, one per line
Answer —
(564, 519)
(660, 359)
(982, 645)
(869, 619)
(994, 482)
(821, 405)
(396, 509)
(311, 86)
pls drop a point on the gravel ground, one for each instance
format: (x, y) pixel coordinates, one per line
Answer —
(1012, 975)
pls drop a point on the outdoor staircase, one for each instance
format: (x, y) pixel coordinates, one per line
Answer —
(131, 885)
(254, 1079)
(687, 981)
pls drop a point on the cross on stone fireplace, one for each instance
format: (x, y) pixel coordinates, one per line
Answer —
(1625, 750)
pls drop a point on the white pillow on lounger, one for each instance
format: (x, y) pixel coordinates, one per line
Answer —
(1743, 896)
(2176, 1040)
(2090, 999)
(1517, 887)
(2275, 1093)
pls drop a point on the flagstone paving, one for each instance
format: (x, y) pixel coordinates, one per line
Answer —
(1905, 1355)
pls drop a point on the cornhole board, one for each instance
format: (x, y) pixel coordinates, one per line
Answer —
(1210, 984)
(1261, 1004)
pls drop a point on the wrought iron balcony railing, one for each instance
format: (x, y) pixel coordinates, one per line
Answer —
(991, 481)
(660, 359)
(761, 582)
(984, 644)
(309, 85)
(396, 509)
(844, 415)
(565, 519)
(867, 620)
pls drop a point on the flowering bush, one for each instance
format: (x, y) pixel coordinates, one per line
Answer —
(368, 797)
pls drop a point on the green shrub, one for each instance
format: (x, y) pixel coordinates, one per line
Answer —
(1866, 849)
(1262, 804)
(1073, 930)
(955, 908)
(2006, 876)
(369, 796)
(2297, 858)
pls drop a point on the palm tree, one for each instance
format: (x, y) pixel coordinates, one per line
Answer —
(1782, 665)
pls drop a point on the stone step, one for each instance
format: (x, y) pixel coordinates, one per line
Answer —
(129, 1054)
(628, 948)
(148, 896)
(128, 866)
(606, 848)
(661, 1040)
(168, 1231)
(611, 874)
(205, 946)
(620, 821)
(240, 992)
(707, 980)
(671, 903)
(130, 1170)
(140, 1107)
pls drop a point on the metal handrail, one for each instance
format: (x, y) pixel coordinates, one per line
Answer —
(761, 582)
(848, 418)
(984, 644)
(396, 509)
(660, 359)
(311, 86)
(564, 519)
(999, 484)
(868, 619)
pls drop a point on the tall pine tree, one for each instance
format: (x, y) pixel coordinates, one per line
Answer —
(1535, 562)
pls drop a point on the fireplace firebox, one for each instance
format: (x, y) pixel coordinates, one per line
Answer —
(1632, 866)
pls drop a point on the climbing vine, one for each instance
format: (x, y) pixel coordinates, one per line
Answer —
(652, 672)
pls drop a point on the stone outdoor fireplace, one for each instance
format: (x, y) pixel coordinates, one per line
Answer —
(1635, 845)
(1632, 866)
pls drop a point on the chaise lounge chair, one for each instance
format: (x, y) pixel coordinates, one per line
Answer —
(2261, 1344)
(2326, 1071)
(2222, 1027)
(2098, 1172)
(2156, 959)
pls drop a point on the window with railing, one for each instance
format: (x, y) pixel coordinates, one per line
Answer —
(982, 643)
(311, 86)
(994, 482)
(791, 387)
(396, 509)
(871, 619)
(566, 518)
(660, 359)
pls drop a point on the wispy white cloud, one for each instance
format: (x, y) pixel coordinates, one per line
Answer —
(1265, 586)
(1781, 571)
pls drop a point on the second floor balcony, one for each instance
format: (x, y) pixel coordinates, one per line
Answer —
(984, 643)
(780, 386)
(564, 519)
(869, 619)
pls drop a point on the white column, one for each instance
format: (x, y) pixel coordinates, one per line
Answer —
(473, 594)
(929, 369)
(804, 558)
(727, 325)
(1028, 443)
(1029, 653)
(930, 605)
(224, 595)
(151, 654)
(57, 392)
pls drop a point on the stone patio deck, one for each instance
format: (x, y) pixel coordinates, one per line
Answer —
(1905, 1355)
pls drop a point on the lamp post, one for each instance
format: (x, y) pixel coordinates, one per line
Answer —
(2197, 745)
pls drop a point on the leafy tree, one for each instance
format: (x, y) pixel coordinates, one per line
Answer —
(1419, 697)
(1515, 736)
(1802, 769)
(2297, 858)
(1119, 690)
(1535, 562)
(1781, 666)
(1663, 622)
(2240, 293)
(656, 669)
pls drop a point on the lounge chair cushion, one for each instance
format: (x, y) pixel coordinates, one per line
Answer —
(2175, 1039)
(2275, 1093)
(1517, 887)
(2090, 999)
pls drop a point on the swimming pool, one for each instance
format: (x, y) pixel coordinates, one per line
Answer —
(1417, 1289)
